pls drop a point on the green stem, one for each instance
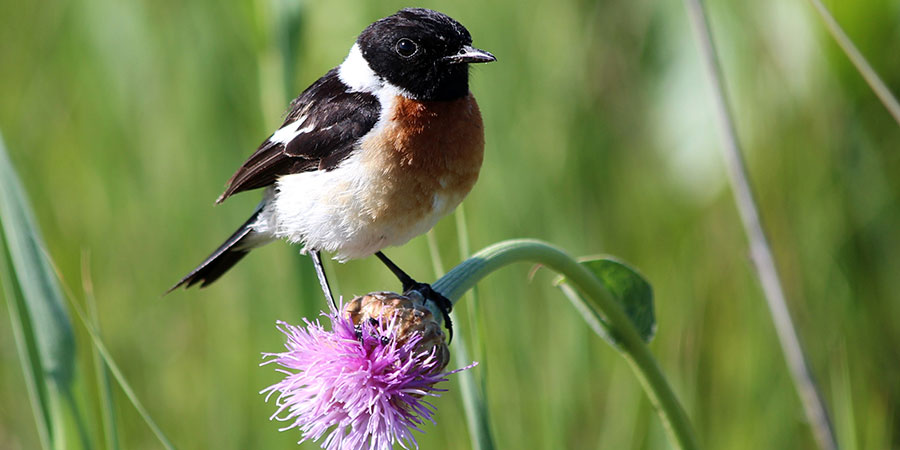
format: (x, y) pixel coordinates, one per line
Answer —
(464, 276)
(473, 397)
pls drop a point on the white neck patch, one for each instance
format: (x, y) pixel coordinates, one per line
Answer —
(356, 73)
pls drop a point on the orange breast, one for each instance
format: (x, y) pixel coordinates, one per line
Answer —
(428, 156)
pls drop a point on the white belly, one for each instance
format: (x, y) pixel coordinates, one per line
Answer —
(351, 211)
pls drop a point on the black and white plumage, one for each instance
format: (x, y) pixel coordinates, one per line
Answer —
(370, 155)
(320, 130)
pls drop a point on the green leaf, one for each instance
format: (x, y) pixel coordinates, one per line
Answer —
(632, 291)
(628, 287)
(37, 310)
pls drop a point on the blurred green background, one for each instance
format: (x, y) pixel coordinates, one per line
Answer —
(125, 118)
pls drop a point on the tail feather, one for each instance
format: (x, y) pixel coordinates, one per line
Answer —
(226, 256)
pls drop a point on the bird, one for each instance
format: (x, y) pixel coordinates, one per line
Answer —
(370, 155)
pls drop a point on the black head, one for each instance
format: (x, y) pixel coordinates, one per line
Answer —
(424, 52)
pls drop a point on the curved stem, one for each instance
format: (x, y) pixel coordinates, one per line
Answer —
(464, 276)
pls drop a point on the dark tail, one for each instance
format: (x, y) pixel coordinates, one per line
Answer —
(226, 256)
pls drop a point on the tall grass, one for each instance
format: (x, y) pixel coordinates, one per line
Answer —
(43, 331)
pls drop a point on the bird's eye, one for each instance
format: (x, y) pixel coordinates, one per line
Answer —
(406, 47)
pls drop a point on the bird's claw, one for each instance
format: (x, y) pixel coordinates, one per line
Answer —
(443, 303)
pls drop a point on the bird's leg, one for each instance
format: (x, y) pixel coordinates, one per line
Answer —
(405, 279)
(320, 272)
(408, 284)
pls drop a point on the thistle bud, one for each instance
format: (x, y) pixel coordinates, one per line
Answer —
(408, 318)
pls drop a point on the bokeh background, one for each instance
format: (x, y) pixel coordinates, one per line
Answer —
(125, 118)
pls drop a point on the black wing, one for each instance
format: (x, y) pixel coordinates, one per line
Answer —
(336, 120)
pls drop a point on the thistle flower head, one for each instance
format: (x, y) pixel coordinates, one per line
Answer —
(362, 384)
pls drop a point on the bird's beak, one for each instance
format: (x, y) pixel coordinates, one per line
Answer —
(469, 54)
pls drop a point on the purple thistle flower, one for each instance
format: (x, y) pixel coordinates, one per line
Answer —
(360, 382)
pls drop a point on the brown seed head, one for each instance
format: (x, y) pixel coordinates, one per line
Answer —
(412, 318)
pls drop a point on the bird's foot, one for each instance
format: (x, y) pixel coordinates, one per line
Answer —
(443, 303)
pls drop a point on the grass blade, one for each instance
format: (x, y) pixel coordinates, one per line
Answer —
(473, 390)
(473, 397)
(107, 406)
(760, 250)
(859, 61)
(45, 325)
(114, 368)
(34, 384)
(120, 378)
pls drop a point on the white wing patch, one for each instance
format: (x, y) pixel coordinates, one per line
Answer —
(288, 132)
